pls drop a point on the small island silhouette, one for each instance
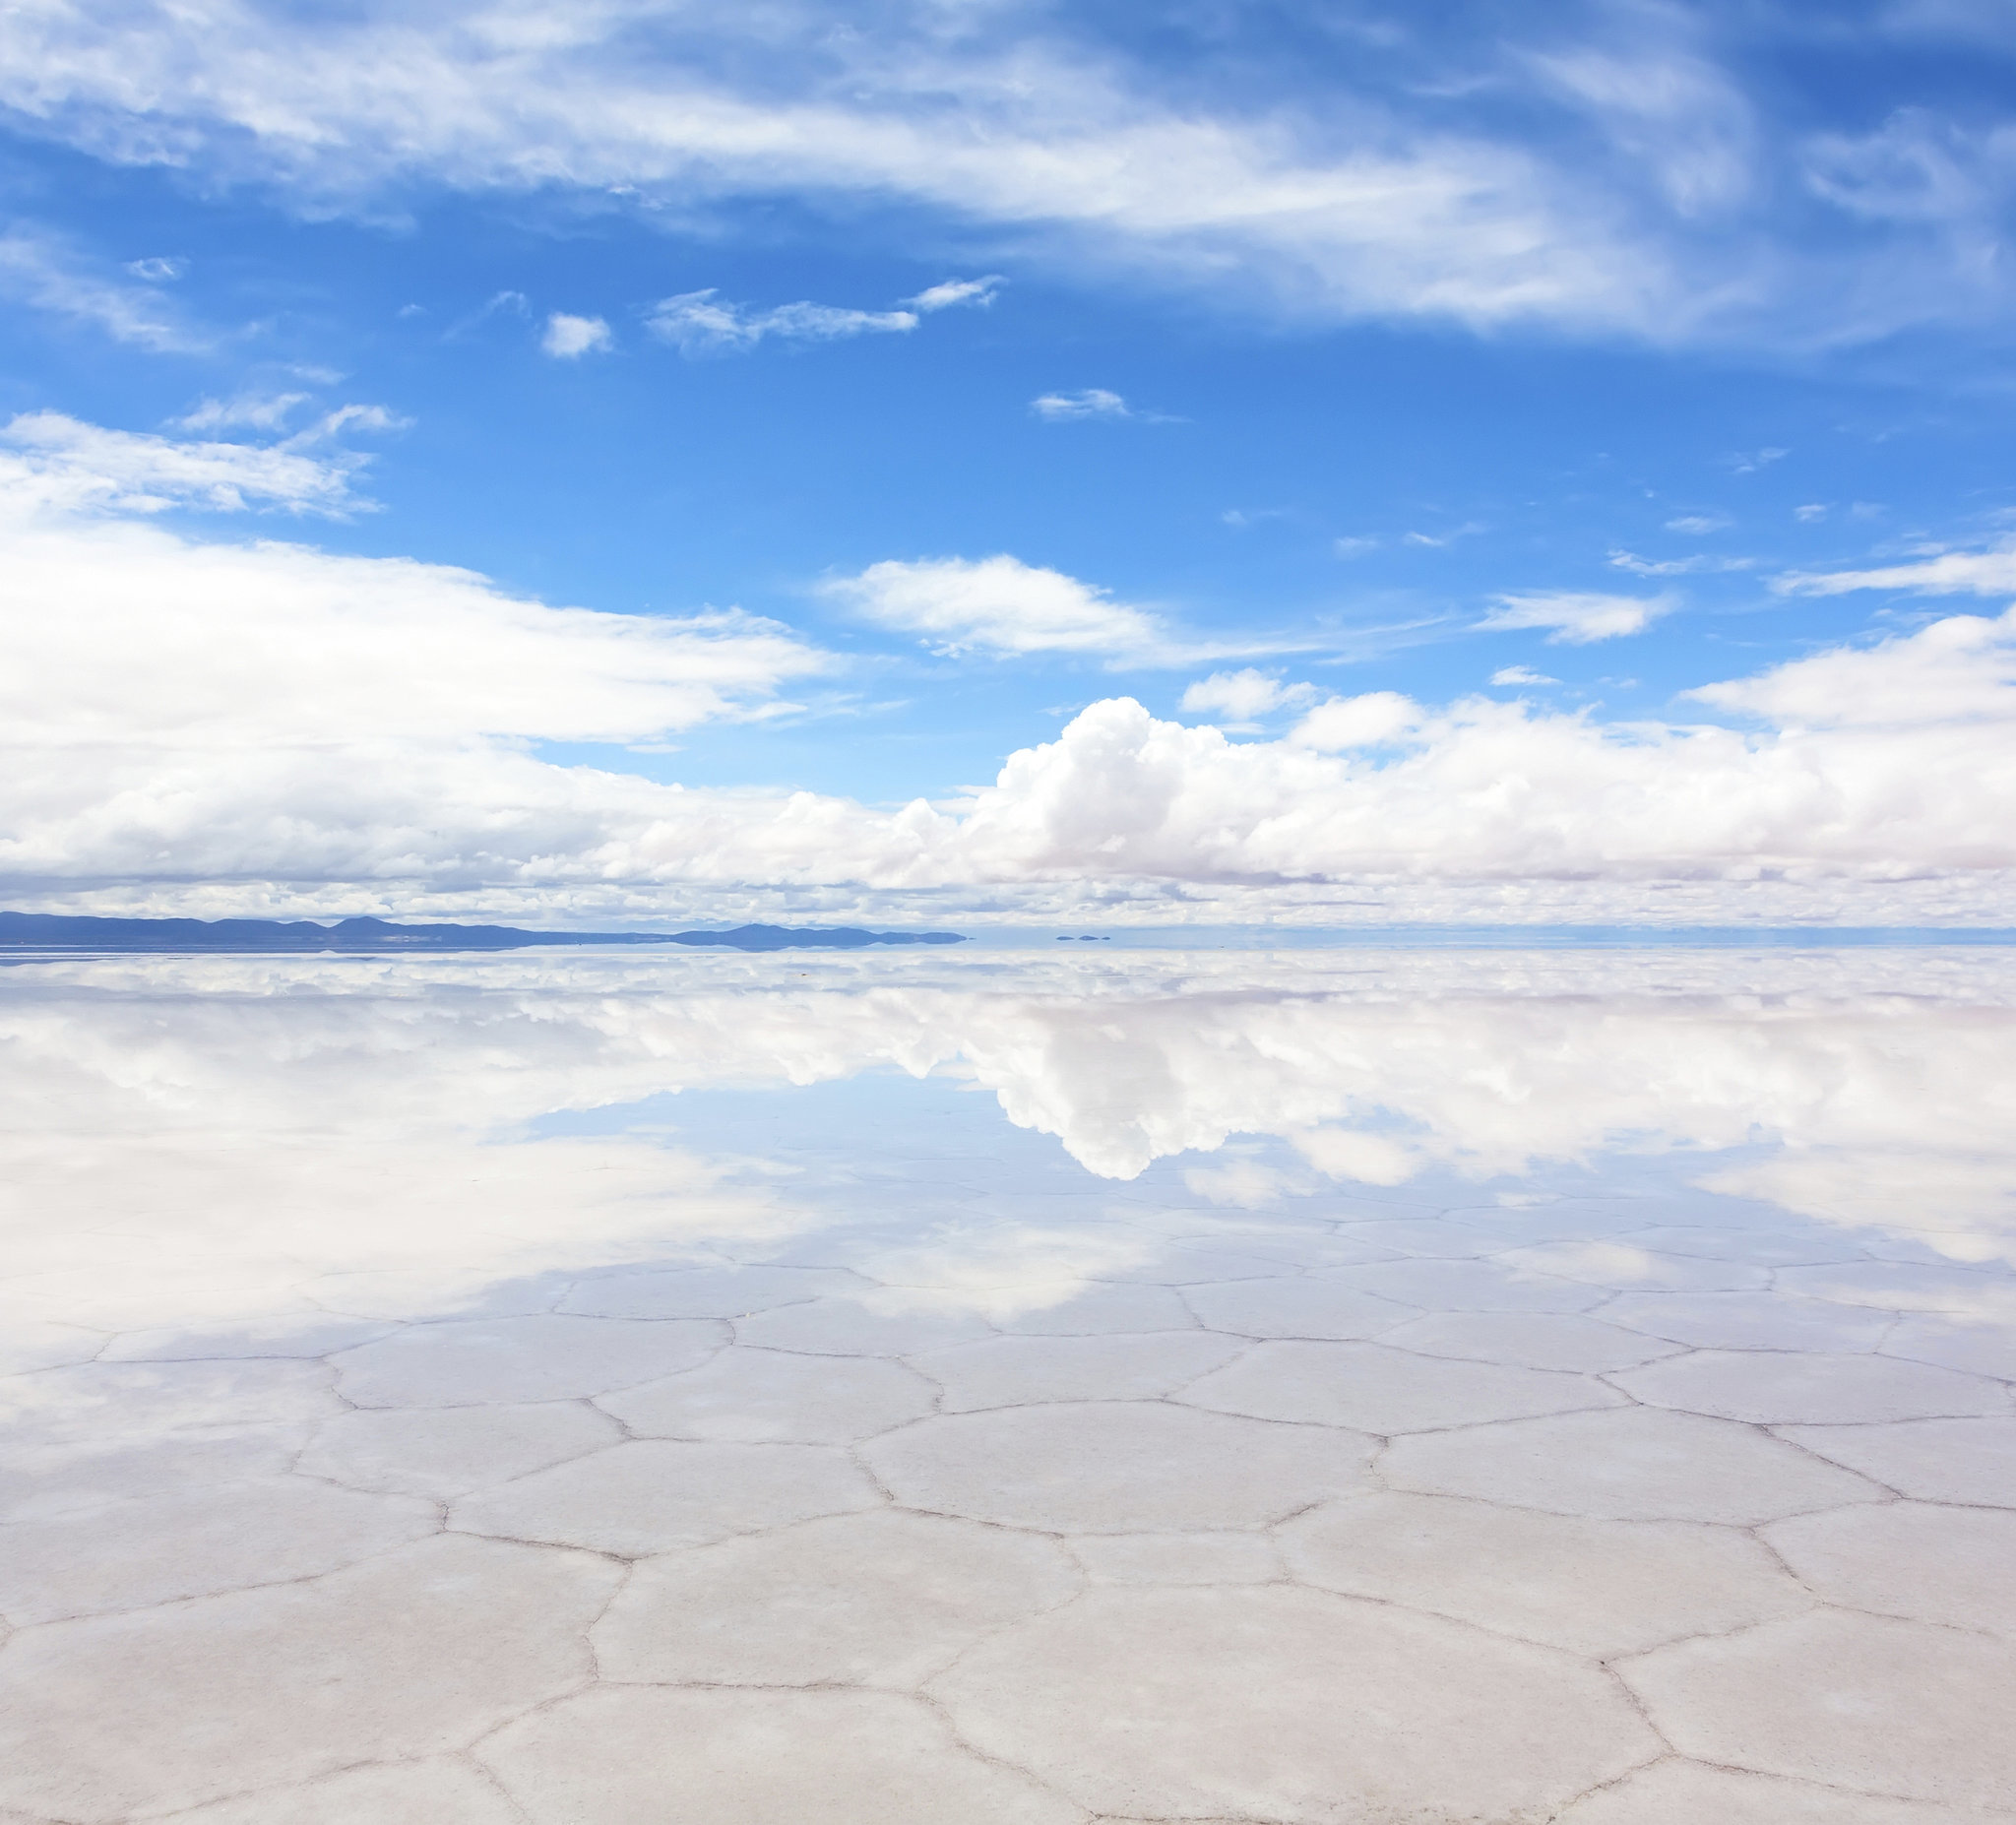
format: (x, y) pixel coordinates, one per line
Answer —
(58, 931)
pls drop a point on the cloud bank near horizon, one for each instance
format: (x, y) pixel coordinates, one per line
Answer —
(212, 726)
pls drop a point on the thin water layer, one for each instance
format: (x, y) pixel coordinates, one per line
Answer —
(1341, 1386)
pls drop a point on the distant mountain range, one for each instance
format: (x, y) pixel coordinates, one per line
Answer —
(51, 931)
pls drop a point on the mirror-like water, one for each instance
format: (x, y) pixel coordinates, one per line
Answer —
(1083, 1383)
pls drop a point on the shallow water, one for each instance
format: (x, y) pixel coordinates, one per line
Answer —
(1327, 1385)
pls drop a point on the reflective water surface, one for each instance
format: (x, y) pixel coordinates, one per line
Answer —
(1338, 1385)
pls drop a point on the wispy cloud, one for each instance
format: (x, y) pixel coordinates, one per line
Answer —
(54, 461)
(39, 270)
(258, 412)
(1699, 525)
(1629, 170)
(955, 291)
(694, 323)
(1000, 607)
(1948, 573)
(1521, 674)
(568, 337)
(1577, 617)
(1086, 402)
(1678, 567)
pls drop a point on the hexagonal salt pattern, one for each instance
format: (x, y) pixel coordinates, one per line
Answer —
(1014, 1371)
(756, 1758)
(1934, 1460)
(1904, 1710)
(1625, 1509)
(1599, 1588)
(1373, 1389)
(1115, 1466)
(1635, 1464)
(771, 1397)
(651, 1494)
(1950, 1565)
(1814, 1390)
(1279, 1704)
(880, 1598)
(434, 1790)
(469, 1361)
(128, 1555)
(1678, 1793)
(415, 1652)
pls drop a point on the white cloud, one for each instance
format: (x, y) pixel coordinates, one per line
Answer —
(1521, 674)
(1627, 197)
(1577, 617)
(1700, 523)
(1244, 695)
(1811, 513)
(169, 745)
(1678, 567)
(158, 268)
(39, 269)
(568, 337)
(1087, 403)
(1353, 546)
(259, 411)
(998, 605)
(1956, 673)
(954, 292)
(272, 1118)
(694, 323)
(1950, 573)
(58, 462)
(1374, 719)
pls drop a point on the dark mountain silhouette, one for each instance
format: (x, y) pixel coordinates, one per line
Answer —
(46, 931)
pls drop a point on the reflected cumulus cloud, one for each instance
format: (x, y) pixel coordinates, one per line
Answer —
(206, 1143)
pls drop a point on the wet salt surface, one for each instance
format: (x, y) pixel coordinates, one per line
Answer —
(1329, 1386)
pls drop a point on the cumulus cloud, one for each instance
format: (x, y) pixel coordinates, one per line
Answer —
(168, 747)
(568, 337)
(1577, 617)
(1949, 573)
(1956, 673)
(953, 291)
(1088, 403)
(296, 1116)
(279, 650)
(695, 324)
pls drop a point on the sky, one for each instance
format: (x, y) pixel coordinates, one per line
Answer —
(1324, 465)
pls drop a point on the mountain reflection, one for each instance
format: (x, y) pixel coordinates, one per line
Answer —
(197, 1141)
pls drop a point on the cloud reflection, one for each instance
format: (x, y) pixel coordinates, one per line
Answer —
(203, 1142)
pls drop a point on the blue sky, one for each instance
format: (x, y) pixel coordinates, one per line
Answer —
(1447, 355)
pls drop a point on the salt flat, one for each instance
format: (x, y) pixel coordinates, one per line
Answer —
(1328, 1388)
